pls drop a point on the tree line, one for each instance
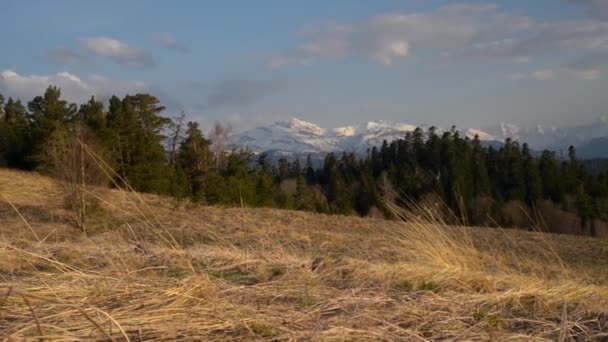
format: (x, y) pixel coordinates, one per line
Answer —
(157, 154)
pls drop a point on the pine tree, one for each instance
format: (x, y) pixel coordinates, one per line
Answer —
(432, 157)
(15, 140)
(284, 170)
(572, 172)
(481, 181)
(304, 199)
(265, 189)
(264, 163)
(532, 179)
(296, 169)
(511, 172)
(194, 158)
(552, 186)
(92, 114)
(335, 186)
(47, 114)
(136, 129)
(311, 176)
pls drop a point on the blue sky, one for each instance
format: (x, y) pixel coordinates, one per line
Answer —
(468, 63)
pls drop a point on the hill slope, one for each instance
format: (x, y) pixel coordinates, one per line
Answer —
(153, 269)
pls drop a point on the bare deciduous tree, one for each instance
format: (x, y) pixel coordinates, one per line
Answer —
(219, 137)
(66, 159)
(177, 135)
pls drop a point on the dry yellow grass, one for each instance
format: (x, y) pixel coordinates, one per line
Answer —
(154, 269)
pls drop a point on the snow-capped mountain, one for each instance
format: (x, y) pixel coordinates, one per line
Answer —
(296, 136)
(543, 136)
(301, 137)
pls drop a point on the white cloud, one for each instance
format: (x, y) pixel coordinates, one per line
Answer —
(73, 88)
(393, 36)
(117, 51)
(585, 37)
(458, 33)
(170, 42)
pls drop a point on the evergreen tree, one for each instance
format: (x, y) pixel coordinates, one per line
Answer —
(264, 163)
(265, 189)
(284, 170)
(15, 136)
(304, 199)
(460, 170)
(137, 138)
(92, 114)
(511, 176)
(47, 114)
(432, 157)
(572, 172)
(336, 193)
(194, 158)
(296, 169)
(552, 187)
(532, 181)
(479, 174)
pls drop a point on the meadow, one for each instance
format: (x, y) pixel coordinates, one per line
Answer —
(153, 268)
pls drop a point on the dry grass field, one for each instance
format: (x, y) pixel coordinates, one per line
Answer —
(151, 268)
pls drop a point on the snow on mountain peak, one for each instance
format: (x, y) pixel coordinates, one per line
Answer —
(371, 125)
(347, 131)
(510, 130)
(301, 126)
(300, 137)
(472, 132)
(540, 129)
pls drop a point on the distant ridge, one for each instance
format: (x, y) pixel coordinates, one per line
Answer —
(297, 137)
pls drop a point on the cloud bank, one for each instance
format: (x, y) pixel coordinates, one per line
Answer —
(73, 88)
(461, 33)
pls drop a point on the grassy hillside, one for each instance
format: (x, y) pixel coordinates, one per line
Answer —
(153, 269)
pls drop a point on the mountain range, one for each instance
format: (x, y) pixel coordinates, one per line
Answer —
(299, 137)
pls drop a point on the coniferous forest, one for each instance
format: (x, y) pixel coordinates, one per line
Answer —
(465, 181)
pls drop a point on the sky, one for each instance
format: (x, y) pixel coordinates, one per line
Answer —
(248, 63)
